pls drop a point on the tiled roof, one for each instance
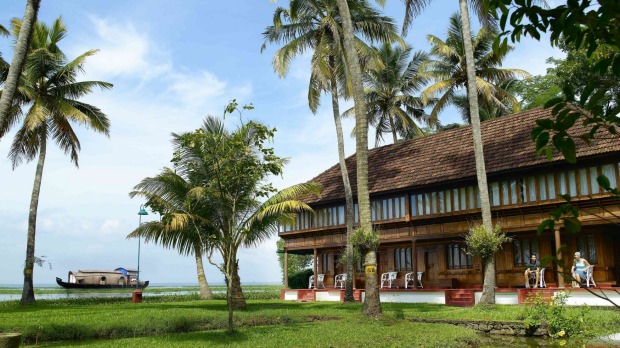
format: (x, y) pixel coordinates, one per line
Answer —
(449, 156)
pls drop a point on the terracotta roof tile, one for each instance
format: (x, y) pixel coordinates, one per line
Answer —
(449, 156)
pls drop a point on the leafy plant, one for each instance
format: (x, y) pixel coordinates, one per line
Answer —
(485, 243)
(553, 312)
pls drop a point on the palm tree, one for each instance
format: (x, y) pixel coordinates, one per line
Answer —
(232, 168)
(182, 225)
(489, 111)
(315, 25)
(372, 303)
(449, 71)
(22, 44)
(389, 87)
(413, 8)
(47, 103)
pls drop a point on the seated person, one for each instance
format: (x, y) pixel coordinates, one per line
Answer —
(580, 266)
(532, 266)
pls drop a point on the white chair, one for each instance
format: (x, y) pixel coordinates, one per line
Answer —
(589, 278)
(541, 282)
(319, 282)
(388, 278)
(339, 280)
(409, 280)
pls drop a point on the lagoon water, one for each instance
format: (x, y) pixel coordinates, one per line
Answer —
(102, 294)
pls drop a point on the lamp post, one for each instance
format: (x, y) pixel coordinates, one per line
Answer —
(140, 213)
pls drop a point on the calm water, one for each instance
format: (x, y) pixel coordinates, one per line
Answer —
(102, 294)
(495, 341)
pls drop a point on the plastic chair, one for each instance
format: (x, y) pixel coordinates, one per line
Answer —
(388, 278)
(409, 280)
(541, 282)
(339, 280)
(589, 277)
(319, 282)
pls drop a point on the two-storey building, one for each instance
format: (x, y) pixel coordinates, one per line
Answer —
(424, 197)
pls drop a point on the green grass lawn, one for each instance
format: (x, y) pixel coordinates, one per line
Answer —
(186, 321)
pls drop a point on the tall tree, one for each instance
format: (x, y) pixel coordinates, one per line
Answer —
(47, 103)
(183, 223)
(22, 44)
(414, 7)
(315, 25)
(390, 85)
(233, 167)
(372, 303)
(449, 72)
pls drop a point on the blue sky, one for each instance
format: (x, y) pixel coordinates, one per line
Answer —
(172, 63)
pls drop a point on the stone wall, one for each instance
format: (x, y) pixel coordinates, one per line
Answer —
(510, 328)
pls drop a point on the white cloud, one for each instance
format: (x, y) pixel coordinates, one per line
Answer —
(109, 225)
(124, 52)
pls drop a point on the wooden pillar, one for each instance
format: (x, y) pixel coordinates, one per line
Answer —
(285, 269)
(414, 260)
(558, 254)
(316, 275)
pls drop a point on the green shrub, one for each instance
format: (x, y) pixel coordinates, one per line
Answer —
(300, 279)
(561, 321)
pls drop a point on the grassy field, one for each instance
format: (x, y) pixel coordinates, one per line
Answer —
(183, 320)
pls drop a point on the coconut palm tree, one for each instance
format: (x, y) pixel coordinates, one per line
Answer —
(47, 104)
(315, 26)
(449, 71)
(183, 219)
(372, 303)
(390, 85)
(412, 9)
(489, 111)
(232, 168)
(22, 45)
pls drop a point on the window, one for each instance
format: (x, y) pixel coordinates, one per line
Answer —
(505, 195)
(402, 259)
(414, 205)
(551, 186)
(455, 194)
(325, 264)
(341, 215)
(448, 201)
(457, 257)
(463, 197)
(420, 205)
(442, 202)
(523, 250)
(542, 187)
(531, 188)
(586, 245)
(562, 179)
(357, 212)
(610, 173)
(593, 183)
(494, 193)
(583, 182)
(572, 183)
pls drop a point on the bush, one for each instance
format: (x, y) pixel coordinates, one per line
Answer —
(485, 243)
(560, 321)
(300, 279)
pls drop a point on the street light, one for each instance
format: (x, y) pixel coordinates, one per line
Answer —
(140, 213)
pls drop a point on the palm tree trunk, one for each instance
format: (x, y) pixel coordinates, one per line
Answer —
(372, 305)
(19, 58)
(488, 290)
(28, 290)
(238, 299)
(203, 285)
(393, 130)
(348, 193)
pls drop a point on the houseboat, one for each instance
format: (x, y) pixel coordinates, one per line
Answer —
(98, 279)
(424, 197)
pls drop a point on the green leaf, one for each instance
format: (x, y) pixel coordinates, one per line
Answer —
(572, 224)
(545, 123)
(547, 224)
(569, 151)
(536, 132)
(542, 140)
(604, 182)
(552, 102)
